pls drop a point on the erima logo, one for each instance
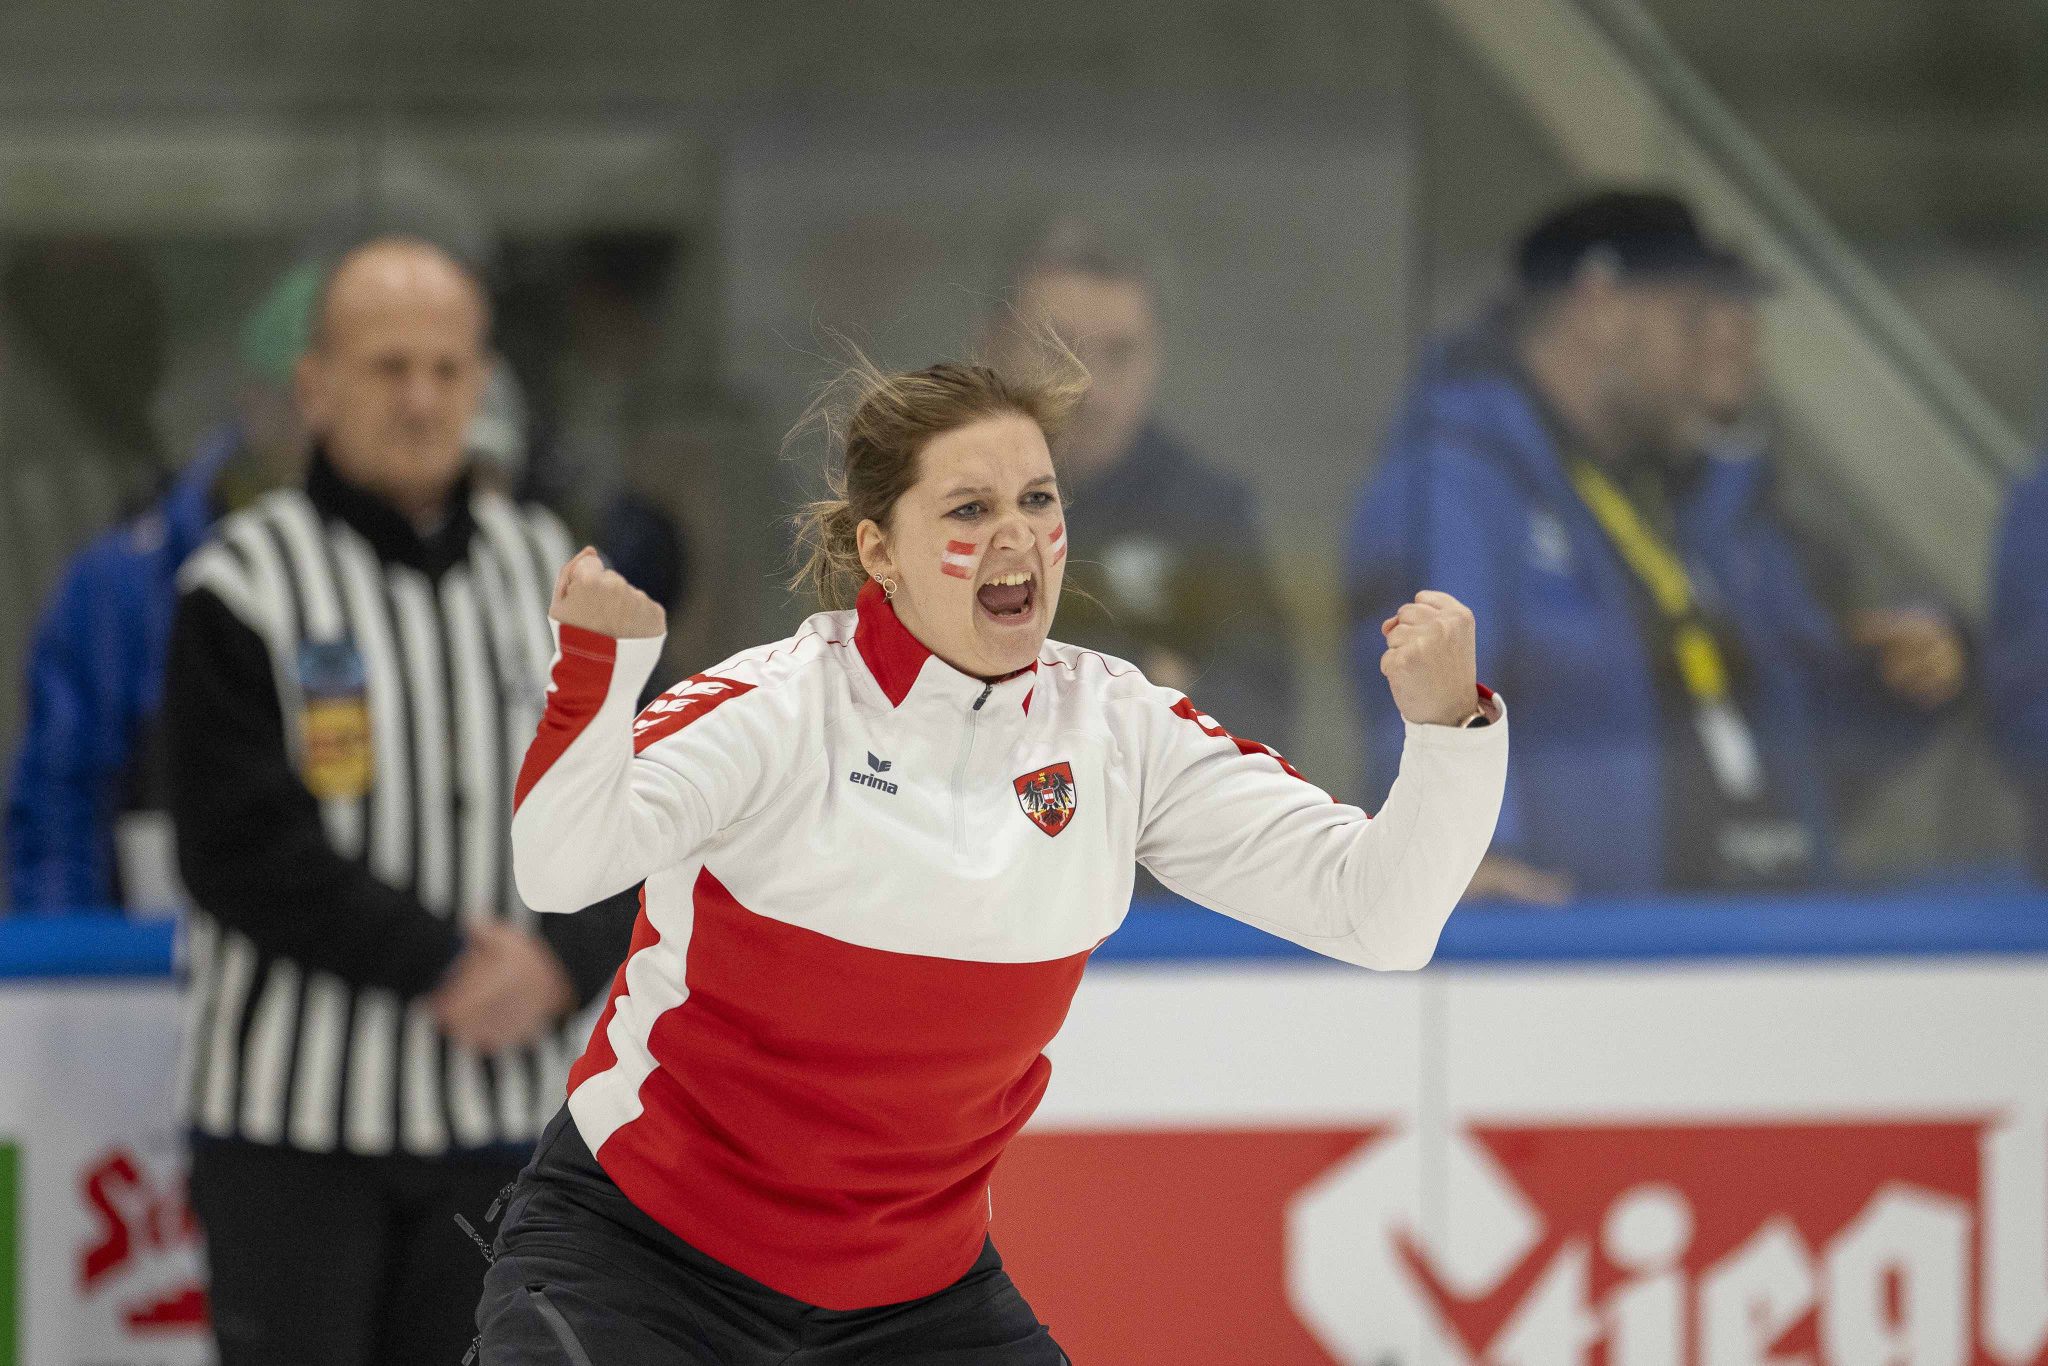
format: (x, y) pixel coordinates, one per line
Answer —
(860, 779)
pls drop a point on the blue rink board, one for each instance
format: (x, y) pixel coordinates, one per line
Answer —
(1923, 922)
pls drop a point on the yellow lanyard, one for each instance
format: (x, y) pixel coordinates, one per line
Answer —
(1699, 656)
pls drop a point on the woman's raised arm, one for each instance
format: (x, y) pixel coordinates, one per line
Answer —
(1232, 825)
(604, 800)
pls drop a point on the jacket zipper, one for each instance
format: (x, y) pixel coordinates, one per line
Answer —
(960, 770)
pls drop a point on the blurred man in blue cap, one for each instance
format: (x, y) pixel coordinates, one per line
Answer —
(1688, 708)
(84, 824)
(2016, 655)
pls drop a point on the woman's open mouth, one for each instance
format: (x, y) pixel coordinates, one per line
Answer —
(1009, 598)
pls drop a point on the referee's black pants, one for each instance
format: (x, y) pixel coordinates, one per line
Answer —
(330, 1259)
(584, 1277)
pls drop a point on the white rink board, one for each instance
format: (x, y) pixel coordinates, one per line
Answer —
(1735, 1163)
(85, 1095)
(1722, 1164)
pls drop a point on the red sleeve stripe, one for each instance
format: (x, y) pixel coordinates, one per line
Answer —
(1209, 725)
(598, 1054)
(687, 701)
(583, 674)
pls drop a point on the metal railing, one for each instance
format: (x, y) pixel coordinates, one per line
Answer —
(1899, 428)
(1824, 253)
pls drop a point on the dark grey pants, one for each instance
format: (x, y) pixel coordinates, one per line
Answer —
(583, 1277)
(326, 1259)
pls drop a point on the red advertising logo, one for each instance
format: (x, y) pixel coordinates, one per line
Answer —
(137, 1222)
(1162, 1249)
(1869, 1243)
(1723, 1245)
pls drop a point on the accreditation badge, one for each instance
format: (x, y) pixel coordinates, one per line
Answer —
(335, 721)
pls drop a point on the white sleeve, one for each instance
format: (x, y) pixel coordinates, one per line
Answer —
(604, 800)
(1230, 824)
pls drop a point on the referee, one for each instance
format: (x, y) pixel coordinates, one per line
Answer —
(374, 1030)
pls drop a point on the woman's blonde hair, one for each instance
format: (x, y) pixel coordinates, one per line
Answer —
(876, 424)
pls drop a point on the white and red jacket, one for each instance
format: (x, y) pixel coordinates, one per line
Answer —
(872, 882)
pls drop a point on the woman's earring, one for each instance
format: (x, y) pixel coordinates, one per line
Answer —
(889, 589)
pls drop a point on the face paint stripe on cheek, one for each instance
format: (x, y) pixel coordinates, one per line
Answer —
(958, 560)
(1058, 542)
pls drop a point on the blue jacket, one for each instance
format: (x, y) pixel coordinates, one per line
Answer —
(94, 685)
(2016, 657)
(1473, 499)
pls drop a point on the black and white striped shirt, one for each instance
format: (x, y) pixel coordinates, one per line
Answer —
(347, 704)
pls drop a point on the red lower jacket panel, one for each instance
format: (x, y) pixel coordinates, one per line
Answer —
(824, 1117)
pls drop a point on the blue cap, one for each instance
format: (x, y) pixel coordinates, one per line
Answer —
(1641, 235)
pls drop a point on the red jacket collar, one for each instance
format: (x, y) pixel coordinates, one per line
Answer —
(893, 655)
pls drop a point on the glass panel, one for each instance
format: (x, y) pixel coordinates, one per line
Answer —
(162, 174)
(1505, 131)
(678, 209)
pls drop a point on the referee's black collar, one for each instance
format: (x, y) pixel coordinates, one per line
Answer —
(390, 535)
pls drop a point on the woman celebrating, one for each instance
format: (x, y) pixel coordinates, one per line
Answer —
(877, 856)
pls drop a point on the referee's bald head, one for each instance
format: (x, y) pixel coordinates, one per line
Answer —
(383, 266)
(394, 370)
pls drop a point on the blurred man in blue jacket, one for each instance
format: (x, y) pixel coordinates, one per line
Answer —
(1684, 704)
(84, 823)
(2016, 657)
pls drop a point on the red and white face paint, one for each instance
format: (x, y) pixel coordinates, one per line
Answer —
(1058, 543)
(985, 507)
(958, 559)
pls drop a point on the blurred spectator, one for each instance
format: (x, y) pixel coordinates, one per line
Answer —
(497, 437)
(1686, 710)
(377, 1027)
(2016, 656)
(101, 363)
(584, 323)
(85, 813)
(634, 536)
(1168, 552)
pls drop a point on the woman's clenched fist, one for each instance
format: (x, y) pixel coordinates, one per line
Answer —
(1430, 661)
(599, 599)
